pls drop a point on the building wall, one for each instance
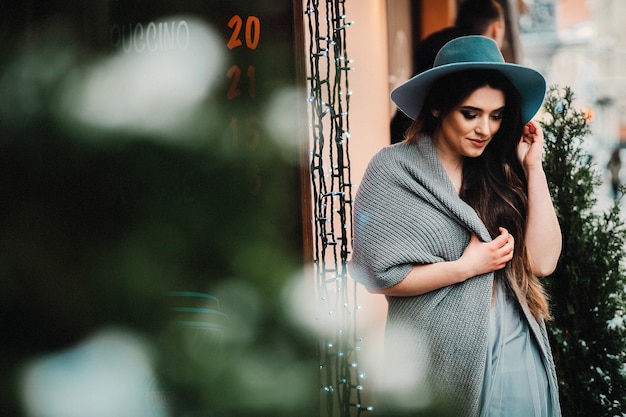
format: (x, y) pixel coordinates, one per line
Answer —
(579, 44)
(370, 106)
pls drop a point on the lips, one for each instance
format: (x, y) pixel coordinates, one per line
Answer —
(478, 142)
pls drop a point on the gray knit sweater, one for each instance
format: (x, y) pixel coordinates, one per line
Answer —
(407, 212)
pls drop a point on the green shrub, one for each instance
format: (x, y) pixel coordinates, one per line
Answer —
(587, 290)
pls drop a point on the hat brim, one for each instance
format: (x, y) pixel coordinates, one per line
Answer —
(409, 96)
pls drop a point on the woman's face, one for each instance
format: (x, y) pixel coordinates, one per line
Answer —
(469, 127)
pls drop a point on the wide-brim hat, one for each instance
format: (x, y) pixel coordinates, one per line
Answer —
(465, 53)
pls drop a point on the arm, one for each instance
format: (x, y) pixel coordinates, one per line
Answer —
(543, 233)
(477, 259)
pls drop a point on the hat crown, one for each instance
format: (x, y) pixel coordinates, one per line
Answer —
(469, 49)
(471, 53)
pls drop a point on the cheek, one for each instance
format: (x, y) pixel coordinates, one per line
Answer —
(495, 126)
(463, 126)
(456, 124)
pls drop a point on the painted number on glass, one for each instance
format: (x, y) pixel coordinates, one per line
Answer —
(251, 32)
(234, 73)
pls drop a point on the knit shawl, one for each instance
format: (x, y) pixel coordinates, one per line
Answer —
(407, 212)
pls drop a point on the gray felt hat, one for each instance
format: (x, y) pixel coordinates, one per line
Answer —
(472, 52)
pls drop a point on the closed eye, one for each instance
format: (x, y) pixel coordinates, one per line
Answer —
(471, 113)
(468, 114)
(497, 115)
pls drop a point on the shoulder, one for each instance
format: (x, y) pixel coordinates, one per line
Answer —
(396, 162)
(444, 35)
(436, 40)
(426, 50)
(390, 156)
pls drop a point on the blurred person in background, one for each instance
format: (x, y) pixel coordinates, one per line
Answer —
(614, 166)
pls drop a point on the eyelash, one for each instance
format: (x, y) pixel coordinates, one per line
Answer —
(472, 115)
(468, 114)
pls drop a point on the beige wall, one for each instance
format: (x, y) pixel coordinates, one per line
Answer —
(369, 106)
(437, 14)
(367, 46)
(400, 44)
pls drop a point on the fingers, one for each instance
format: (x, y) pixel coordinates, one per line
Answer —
(504, 236)
(526, 131)
(480, 257)
(530, 146)
(532, 132)
(504, 246)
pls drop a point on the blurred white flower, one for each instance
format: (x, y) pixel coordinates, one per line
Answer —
(108, 375)
(155, 80)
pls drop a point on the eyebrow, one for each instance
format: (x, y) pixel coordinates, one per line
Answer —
(476, 109)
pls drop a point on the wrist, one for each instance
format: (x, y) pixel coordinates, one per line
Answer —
(460, 271)
(531, 169)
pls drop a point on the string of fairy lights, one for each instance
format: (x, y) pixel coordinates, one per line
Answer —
(329, 102)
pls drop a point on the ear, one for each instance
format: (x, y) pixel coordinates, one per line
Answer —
(435, 113)
(497, 32)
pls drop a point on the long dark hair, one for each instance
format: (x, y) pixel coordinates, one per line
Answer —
(494, 183)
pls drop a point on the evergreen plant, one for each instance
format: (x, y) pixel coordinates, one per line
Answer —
(587, 290)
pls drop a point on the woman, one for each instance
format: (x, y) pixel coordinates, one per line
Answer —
(454, 226)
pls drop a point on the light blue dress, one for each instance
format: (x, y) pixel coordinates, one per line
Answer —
(516, 383)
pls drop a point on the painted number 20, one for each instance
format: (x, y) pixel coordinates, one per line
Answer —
(252, 32)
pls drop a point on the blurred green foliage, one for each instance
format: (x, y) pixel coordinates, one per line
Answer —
(98, 224)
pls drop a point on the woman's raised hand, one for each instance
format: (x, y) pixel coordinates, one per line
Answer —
(530, 147)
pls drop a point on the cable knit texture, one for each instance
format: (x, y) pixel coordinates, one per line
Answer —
(407, 212)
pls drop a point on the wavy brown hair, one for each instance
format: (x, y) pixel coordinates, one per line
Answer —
(494, 184)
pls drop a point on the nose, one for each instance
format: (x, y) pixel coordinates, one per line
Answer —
(483, 126)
